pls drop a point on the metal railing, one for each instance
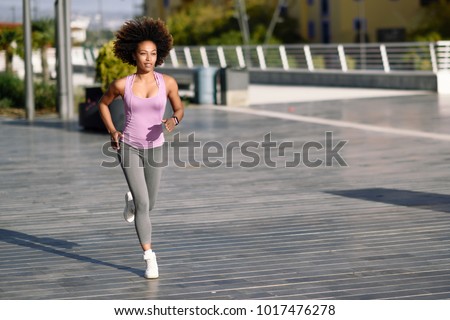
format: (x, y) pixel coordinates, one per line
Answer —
(389, 57)
(443, 55)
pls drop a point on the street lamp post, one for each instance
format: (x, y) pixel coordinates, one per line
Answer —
(13, 12)
(68, 53)
(243, 24)
(64, 59)
(29, 95)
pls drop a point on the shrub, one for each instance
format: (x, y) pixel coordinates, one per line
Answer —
(6, 103)
(12, 88)
(44, 95)
(318, 62)
(109, 68)
(351, 63)
(12, 93)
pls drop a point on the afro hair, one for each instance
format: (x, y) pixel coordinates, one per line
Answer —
(141, 29)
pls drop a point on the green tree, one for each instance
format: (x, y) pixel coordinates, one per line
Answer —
(197, 22)
(43, 38)
(260, 17)
(434, 23)
(213, 23)
(8, 41)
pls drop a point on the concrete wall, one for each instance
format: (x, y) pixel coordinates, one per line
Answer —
(392, 80)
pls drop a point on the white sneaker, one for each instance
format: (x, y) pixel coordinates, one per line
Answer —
(128, 212)
(152, 266)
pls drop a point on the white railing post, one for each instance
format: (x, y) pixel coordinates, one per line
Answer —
(173, 58)
(443, 65)
(187, 55)
(262, 61)
(444, 55)
(342, 58)
(240, 56)
(447, 60)
(308, 56)
(204, 57)
(283, 56)
(221, 54)
(433, 58)
(384, 58)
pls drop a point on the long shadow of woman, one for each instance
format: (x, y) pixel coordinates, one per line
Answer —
(55, 246)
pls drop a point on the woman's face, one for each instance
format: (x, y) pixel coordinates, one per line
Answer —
(145, 56)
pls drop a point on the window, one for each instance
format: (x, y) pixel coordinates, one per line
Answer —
(283, 11)
(326, 38)
(391, 35)
(324, 8)
(311, 30)
(424, 3)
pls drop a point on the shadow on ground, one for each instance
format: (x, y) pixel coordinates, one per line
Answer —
(56, 246)
(423, 200)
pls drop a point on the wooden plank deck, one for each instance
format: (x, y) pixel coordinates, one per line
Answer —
(377, 229)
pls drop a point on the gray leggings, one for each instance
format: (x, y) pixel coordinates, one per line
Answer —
(143, 175)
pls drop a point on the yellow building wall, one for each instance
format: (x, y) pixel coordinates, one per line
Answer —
(377, 14)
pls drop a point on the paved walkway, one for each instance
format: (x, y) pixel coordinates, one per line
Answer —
(269, 94)
(374, 224)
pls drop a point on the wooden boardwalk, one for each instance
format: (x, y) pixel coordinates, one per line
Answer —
(376, 229)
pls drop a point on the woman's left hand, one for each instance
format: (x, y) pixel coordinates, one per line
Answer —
(169, 124)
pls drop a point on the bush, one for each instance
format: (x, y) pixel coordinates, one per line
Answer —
(6, 103)
(12, 93)
(44, 96)
(12, 88)
(318, 62)
(109, 68)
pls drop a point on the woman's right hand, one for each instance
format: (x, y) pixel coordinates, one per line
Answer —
(115, 137)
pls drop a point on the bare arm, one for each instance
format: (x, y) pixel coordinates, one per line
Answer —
(175, 101)
(116, 88)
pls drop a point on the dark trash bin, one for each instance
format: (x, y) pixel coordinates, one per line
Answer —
(89, 116)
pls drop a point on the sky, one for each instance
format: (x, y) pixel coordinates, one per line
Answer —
(114, 12)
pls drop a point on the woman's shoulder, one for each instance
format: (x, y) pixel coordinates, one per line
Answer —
(119, 85)
(124, 79)
(120, 82)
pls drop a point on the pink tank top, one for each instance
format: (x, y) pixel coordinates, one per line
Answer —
(143, 128)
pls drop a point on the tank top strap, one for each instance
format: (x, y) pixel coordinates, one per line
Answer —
(129, 83)
(160, 82)
(128, 94)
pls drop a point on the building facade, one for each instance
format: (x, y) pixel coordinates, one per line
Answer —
(355, 21)
(161, 8)
(335, 21)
